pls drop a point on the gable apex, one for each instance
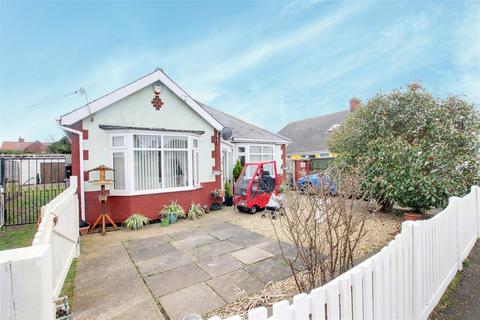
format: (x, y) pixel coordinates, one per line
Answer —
(125, 91)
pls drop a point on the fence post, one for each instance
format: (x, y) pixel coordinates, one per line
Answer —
(2, 206)
(417, 275)
(407, 229)
(458, 232)
(73, 181)
(259, 313)
(476, 191)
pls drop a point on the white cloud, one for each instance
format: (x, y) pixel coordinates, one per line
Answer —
(298, 6)
(467, 54)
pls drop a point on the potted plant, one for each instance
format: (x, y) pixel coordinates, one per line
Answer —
(164, 220)
(282, 189)
(418, 207)
(83, 227)
(206, 208)
(173, 211)
(136, 221)
(196, 211)
(237, 169)
(228, 194)
(412, 216)
(217, 199)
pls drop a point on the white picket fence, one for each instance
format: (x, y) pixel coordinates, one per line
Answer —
(31, 278)
(405, 280)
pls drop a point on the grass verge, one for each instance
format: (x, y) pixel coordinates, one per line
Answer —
(69, 284)
(17, 236)
(446, 300)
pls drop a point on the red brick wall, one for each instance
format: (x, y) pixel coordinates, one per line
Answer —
(76, 157)
(216, 157)
(121, 207)
(284, 162)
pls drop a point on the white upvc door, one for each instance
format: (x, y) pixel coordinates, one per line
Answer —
(226, 162)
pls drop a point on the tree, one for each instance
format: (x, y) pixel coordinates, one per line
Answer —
(62, 146)
(323, 229)
(237, 169)
(413, 149)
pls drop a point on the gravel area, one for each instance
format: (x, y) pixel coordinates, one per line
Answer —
(380, 229)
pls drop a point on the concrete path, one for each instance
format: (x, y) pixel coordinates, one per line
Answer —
(464, 300)
(166, 273)
(108, 286)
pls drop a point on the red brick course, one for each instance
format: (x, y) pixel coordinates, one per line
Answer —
(121, 207)
(284, 162)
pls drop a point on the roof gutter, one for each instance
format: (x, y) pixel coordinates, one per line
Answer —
(80, 147)
(261, 141)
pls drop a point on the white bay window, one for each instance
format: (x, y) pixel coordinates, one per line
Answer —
(150, 162)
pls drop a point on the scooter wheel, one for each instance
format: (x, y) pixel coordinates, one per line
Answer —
(253, 210)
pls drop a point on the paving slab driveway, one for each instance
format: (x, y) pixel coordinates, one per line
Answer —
(175, 273)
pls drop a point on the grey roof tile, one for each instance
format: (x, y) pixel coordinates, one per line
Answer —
(311, 135)
(242, 129)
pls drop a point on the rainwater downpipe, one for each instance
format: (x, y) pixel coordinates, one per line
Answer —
(80, 147)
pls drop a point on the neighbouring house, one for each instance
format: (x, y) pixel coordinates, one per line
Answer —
(310, 137)
(23, 146)
(163, 145)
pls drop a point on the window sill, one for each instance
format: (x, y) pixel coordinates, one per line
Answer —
(144, 192)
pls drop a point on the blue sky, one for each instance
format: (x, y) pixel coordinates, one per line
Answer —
(268, 62)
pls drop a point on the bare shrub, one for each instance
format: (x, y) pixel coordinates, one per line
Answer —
(325, 224)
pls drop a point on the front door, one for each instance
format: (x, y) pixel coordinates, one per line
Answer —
(227, 163)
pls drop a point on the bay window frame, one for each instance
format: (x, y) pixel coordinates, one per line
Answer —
(129, 151)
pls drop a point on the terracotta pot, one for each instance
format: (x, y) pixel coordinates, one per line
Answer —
(84, 230)
(410, 216)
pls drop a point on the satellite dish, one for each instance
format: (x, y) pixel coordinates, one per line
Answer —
(226, 133)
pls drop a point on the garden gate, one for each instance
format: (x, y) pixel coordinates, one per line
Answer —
(27, 182)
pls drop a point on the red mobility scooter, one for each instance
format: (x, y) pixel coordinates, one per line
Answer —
(255, 185)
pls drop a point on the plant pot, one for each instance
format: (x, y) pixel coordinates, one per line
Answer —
(411, 216)
(165, 222)
(83, 227)
(229, 201)
(172, 218)
(84, 230)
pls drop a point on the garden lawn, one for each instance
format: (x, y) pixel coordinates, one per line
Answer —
(17, 236)
(69, 284)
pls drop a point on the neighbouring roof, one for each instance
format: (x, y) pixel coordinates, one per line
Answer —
(312, 135)
(123, 92)
(24, 146)
(242, 130)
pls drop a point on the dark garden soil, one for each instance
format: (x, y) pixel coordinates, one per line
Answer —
(462, 298)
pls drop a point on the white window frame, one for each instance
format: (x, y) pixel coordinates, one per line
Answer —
(129, 149)
(118, 149)
(195, 163)
(261, 153)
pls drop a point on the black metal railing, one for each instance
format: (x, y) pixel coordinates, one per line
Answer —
(28, 182)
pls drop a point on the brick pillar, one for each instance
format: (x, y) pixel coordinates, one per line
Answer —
(216, 156)
(284, 163)
(76, 158)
